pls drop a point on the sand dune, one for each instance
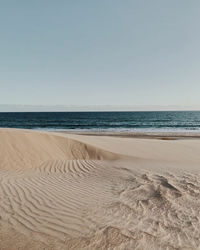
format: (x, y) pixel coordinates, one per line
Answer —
(61, 191)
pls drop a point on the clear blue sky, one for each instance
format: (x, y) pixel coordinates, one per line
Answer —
(98, 52)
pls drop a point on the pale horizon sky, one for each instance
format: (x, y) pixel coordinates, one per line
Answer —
(94, 108)
(98, 53)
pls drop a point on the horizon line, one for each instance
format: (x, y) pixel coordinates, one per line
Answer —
(9, 108)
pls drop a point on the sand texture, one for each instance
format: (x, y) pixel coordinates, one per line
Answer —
(63, 191)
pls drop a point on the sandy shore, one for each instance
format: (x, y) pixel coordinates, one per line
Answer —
(66, 191)
(142, 135)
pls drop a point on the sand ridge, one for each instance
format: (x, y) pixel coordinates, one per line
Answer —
(60, 191)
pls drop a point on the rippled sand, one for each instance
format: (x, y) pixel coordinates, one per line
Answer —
(64, 191)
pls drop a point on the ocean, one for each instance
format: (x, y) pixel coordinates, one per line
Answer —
(165, 121)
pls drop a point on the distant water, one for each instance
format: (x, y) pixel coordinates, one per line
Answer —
(178, 121)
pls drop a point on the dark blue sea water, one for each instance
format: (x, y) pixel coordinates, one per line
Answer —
(105, 121)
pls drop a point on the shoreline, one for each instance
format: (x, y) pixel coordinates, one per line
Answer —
(141, 135)
(121, 134)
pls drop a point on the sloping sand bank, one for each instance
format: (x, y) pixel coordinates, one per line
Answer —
(64, 191)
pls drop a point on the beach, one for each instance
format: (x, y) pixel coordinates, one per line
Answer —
(62, 190)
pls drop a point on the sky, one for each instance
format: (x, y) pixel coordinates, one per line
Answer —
(96, 53)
